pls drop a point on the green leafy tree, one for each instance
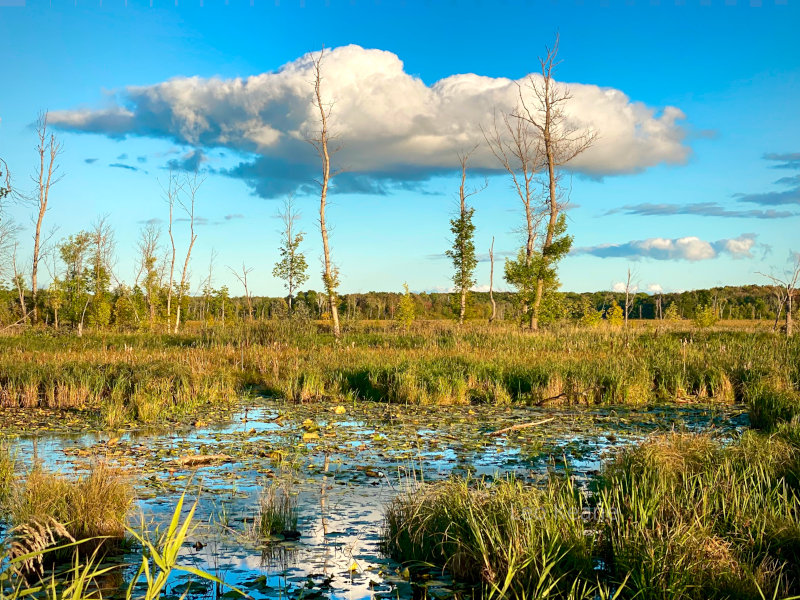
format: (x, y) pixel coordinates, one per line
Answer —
(705, 317)
(406, 312)
(102, 245)
(543, 106)
(462, 252)
(615, 315)
(590, 316)
(672, 313)
(536, 275)
(74, 251)
(292, 265)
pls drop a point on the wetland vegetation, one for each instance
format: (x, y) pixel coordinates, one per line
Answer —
(658, 461)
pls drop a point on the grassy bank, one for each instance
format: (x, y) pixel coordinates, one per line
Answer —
(147, 377)
(679, 517)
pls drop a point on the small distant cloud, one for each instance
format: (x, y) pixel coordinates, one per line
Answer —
(141, 159)
(123, 156)
(153, 221)
(190, 161)
(197, 220)
(787, 160)
(90, 161)
(123, 166)
(234, 216)
(655, 288)
(619, 286)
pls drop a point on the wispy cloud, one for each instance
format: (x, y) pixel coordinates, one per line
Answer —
(90, 161)
(686, 248)
(386, 144)
(699, 209)
(791, 196)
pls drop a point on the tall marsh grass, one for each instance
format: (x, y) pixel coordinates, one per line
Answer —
(148, 377)
(680, 516)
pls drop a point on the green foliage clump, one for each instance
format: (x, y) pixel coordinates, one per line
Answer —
(406, 312)
(615, 315)
(672, 313)
(705, 317)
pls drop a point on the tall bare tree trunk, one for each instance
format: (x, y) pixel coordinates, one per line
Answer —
(491, 282)
(192, 185)
(329, 274)
(559, 143)
(518, 150)
(172, 195)
(48, 150)
(463, 212)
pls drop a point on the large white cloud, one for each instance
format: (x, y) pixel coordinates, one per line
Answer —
(391, 125)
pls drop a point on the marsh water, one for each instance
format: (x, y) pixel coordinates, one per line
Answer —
(344, 464)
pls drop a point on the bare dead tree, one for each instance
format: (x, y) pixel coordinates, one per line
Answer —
(330, 274)
(788, 283)
(171, 196)
(243, 280)
(491, 282)
(558, 143)
(191, 186)
(5, 180)
(46, 176)
(516, 147)
(779, 293)
(19, 282)
(629, 287)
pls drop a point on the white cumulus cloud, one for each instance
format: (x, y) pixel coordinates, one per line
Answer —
(394, 129)
(689, 248)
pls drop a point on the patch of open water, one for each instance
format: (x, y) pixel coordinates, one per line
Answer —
(357, 458)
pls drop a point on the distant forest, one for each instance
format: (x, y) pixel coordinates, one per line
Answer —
(129, 309)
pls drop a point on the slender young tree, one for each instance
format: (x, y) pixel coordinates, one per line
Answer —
(330, 274)
(493, 316)
(171, 195)
(150, 271)
(101, 263)
(46, 176)
(5, 180)
(788, 283)
(292, 265)
(191, 187)
(462, 253)
(559, 143)
(243, 280)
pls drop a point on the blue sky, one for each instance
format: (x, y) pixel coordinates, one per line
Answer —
(686, 199)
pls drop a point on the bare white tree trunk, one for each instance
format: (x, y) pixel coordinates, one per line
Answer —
(48, 149)
(558, 144)
(491, 282)
(330, 276)
(192, 185)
